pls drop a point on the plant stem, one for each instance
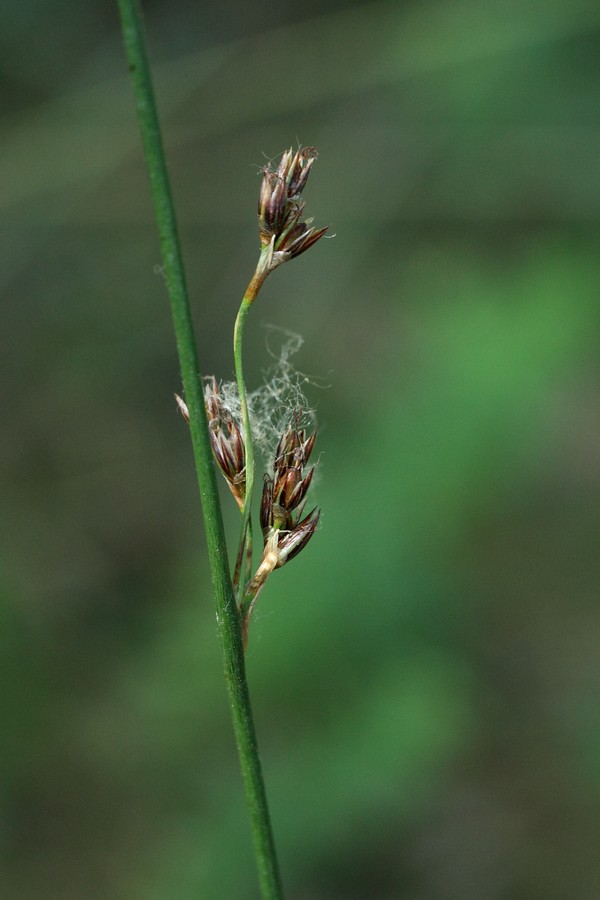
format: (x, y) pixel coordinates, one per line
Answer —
(238, 341)
(227, 613)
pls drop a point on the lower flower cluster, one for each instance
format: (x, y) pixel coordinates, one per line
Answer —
(284, 493)
(286, 529)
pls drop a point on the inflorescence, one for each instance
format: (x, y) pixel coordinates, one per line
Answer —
(286, 530)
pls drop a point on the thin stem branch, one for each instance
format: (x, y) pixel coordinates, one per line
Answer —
(227, 613)
(238, 343)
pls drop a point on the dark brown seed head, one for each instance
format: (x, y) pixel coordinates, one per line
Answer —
(226, 440)
(280, 207)
(284, 494)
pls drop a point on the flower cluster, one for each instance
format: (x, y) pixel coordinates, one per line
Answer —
(285, 532)
(280, 207)
(286, 529)
(226, 440)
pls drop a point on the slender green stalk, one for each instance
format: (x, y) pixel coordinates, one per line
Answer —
(227, 613)
(245, 546)
(238, 342)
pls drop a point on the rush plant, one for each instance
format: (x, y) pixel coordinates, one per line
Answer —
(224, 424)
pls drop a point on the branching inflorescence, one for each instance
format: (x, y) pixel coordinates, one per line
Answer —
(286, 529)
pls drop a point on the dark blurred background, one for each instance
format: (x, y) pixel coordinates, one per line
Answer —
(425, 675)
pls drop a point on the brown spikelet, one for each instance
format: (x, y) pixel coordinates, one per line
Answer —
(226, 440)
(280, 207)
(284, 494)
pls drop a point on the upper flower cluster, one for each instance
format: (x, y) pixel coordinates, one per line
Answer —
(280, 207)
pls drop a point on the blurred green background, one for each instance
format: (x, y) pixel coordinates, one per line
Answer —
(425, 676)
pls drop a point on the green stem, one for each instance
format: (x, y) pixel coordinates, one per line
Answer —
(227, 613)
(238, 343)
